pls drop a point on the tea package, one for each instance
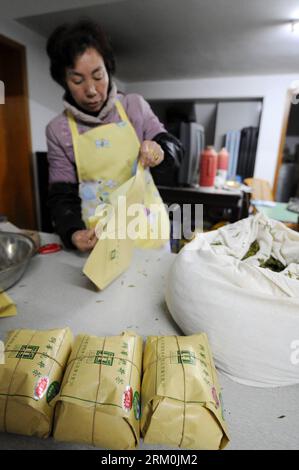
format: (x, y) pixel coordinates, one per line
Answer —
(181, 399)
(99, 402)
(108, 260)
(30, 377)
(118, 228)
(7, 306)
(113, 252)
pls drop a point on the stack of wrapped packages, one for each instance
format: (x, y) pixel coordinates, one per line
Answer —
(96, 389)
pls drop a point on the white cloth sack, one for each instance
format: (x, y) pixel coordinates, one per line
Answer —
(250, 313)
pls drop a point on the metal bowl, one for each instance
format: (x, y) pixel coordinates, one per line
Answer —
(15, 253)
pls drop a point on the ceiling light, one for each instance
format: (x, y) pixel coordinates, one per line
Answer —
(295, 27)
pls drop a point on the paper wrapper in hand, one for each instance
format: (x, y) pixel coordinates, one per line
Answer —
(112, 254)
(30, 378)
(181, 400)
(99, 403)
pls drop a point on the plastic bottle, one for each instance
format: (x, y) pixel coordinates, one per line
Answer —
(222, 166)
(208, 167)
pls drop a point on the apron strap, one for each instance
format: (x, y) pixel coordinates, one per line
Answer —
(75, 135)
(121, 111)
(73, 124)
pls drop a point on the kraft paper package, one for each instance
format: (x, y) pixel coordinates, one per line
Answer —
(181, 399)
(99, 401)
(30, 377)
(108, 260)
(112, 254)
(7, 306)
(113, 251)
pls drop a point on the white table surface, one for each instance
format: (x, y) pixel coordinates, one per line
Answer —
(54, 293)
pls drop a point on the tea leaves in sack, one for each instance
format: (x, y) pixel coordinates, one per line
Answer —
(30, 378)
(99, 402)
(240, 285)
(181, 399)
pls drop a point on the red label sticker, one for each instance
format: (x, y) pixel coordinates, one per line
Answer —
(49, 248)
(127, 398)
(41, 387)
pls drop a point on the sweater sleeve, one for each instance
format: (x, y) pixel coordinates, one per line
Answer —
(148, 127)
(166, 174)
(141, 115)
(61, 167)
(65, 207)
(63, 199)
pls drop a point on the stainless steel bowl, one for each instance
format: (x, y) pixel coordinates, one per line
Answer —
(15, 253)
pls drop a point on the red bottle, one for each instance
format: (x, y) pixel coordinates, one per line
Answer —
(208, 167)
(222, 166)
(223, 157)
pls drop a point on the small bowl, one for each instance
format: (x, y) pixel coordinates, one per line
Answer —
(16, 251)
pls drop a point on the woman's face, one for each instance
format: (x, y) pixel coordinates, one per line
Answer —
(88, 81)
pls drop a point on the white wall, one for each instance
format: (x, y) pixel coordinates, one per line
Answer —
(273, 90)
(44, 94)
(234, 115)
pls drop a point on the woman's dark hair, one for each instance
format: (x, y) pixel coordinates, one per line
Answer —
(69, 41)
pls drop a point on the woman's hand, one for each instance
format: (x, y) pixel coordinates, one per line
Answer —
(84, 240)
(150, 154)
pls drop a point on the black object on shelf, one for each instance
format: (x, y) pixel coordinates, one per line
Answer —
(287, 183)
(247, 152)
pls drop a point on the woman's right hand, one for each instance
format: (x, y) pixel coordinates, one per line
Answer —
(84, 240)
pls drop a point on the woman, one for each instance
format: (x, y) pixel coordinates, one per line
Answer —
(94, 145)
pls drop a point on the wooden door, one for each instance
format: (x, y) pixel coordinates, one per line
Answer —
(16, 172)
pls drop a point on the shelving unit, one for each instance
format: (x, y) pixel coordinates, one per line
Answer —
(217, 116)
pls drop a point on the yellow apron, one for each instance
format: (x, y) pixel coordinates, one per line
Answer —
(106, 159)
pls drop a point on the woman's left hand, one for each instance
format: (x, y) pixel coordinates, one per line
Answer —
(150, 154)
